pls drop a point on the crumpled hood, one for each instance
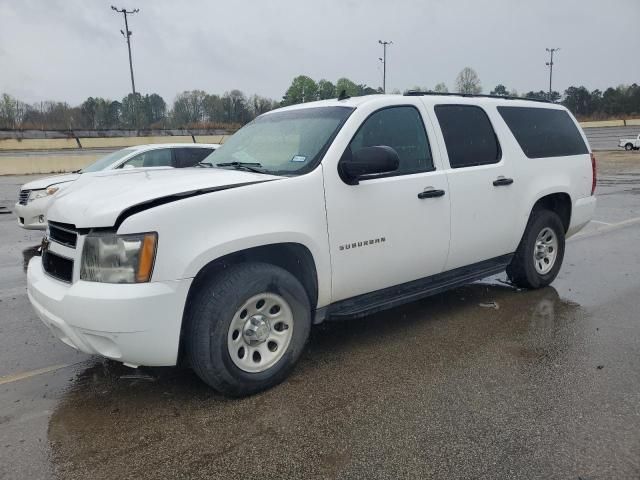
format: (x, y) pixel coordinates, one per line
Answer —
(48, 181)
(97, 199)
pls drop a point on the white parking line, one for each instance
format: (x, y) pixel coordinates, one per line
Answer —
(16, 377)
(603, 223)
(606, 229)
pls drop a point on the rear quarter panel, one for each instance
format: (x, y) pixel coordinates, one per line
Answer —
(539, 177)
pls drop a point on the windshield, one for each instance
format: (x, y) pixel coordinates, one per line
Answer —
(104, 162)
(283, 143)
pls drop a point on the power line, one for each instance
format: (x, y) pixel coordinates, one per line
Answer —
(550, 65)
(384, 64)
(127, 34)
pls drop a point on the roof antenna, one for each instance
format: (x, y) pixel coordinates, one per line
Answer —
(343, 95)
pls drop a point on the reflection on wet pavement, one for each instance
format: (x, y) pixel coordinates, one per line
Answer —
(406, 393)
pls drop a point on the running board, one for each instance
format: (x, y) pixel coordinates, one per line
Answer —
(397, 295)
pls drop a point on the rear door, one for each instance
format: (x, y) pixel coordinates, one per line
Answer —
(482, 185)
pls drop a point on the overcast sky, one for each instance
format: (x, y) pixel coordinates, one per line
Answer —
(71, 49)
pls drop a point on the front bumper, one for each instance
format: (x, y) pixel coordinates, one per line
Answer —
(137, 324)
(32, 215)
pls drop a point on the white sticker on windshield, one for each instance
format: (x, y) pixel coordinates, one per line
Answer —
(299, 158)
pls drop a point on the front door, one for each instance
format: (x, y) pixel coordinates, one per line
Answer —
(386, 231)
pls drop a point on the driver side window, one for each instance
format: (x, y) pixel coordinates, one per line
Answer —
(402, 129)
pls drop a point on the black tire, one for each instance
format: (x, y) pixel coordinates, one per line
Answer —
(209, 318)
(522, 269)
(628, 147)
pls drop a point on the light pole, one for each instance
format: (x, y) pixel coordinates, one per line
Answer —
(127, 34)
(384, 64)
(550, 65)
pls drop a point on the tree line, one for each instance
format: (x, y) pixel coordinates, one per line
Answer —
(199, 109)
(190, 109)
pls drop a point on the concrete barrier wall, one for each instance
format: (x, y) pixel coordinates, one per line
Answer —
(121, 142)
(14, 144)
(37, 144)
(52, 162)
(21, 157)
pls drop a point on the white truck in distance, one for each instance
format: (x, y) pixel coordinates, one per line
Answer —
(630, 143)
(326, 210)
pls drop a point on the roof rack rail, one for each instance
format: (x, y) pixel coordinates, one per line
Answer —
(418, 93)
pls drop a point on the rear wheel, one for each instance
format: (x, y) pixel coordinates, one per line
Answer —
(628, 147)
(247, 327)
(540, 253)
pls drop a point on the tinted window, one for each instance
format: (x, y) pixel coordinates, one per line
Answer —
(190, 156)
(468, 135)
(544, 132)
(153, 158)
(400, 128)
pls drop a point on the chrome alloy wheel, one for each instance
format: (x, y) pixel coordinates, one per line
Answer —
(260, 332)
(545, 251)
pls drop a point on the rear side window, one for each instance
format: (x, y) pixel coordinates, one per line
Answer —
(544, 132)
(400, 128)
(190, 156)
(153, 158)
(468, 135)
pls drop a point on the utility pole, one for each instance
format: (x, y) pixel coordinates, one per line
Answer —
(384, 64)
(550, 65)
(127, 34)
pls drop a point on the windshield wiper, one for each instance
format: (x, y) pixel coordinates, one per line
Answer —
(251, 166)
(205, 164)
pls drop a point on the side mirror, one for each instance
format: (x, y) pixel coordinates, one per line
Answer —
(367, 161)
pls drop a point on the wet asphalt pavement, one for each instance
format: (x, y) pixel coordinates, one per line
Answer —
(481, 382)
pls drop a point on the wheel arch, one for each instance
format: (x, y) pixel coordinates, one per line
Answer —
(293, 257)
(296, 258)
(559, 203)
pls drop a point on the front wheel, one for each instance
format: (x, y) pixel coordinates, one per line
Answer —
(539, 256)
(247, 327)
(628, 147)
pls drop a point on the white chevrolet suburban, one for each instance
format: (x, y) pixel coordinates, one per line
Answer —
(325, 210)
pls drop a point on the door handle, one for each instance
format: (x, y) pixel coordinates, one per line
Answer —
(501, 181)
(431, 193)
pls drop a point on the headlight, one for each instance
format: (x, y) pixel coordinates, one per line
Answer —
(43, 192)
(111, 258)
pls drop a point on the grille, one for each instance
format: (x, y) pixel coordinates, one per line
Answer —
(23, 197)
(57, 266)
(63, 233)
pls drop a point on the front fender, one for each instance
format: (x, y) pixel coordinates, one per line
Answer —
(195, 231)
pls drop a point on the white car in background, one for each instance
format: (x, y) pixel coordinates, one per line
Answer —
(34, 197)
(630, 143)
